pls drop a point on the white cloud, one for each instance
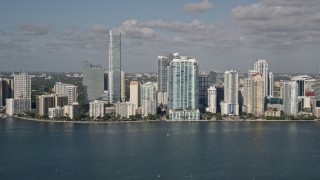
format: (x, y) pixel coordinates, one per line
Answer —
(131, 28)
(203, 6)
(35, 29)
(279, 22)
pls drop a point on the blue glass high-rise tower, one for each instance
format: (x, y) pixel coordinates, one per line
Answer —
(114, 66)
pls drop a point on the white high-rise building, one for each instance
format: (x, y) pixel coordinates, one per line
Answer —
(248, 86)
(257, 92)
(134, 93)
(270, 84)
(290, 100)
(114, 66)
(68, 90)
(97, 108)
(17, 106)
(212, 99)
(22, 85)
(183, 88)
(126, 109)
(261, 65)
(230, 104)
(148, 98)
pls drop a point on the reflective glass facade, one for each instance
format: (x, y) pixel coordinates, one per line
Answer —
(114, 66)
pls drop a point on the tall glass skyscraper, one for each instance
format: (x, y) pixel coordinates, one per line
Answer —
(93, 81)
(183, 88)
(114, 66)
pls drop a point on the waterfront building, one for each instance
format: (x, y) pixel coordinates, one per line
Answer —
(203, 91)
(71, 91)
(6, 90)
(272, 113)
(230, 104)
(290, 100)
(257, 92)
(148, 98)
(212, 99)
(248, 88)
(114, 66)
(97, 108)
(55, 112)
(17, 106)
(163, 63)
(262, 66)
(22, 85)
(93, 81)
(162, 98)
(270, 85)
(183, 88)
(71, 111)
(134, 93)
(125, 109)
(305, 84)
(123, 86)
(44, 102)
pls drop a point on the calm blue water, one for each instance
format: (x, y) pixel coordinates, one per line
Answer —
(191, 150)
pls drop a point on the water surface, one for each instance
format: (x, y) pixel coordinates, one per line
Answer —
(159, 150)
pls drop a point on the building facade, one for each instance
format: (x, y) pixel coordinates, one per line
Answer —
(148, 98)
(114, 66)
(290, 100)
(17, 106)
(123, 86)
(135, 93)
(212, 99)
(230, 104)
(71, 91)
(183, 88)
(93, 81)
(6, 91)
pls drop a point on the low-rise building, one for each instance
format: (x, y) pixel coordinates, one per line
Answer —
(17, 106)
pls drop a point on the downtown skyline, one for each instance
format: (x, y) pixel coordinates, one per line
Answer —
(56, 36)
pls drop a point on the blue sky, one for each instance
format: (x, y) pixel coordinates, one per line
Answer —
(46, 35)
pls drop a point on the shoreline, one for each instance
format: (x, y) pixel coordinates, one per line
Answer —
(158, 120)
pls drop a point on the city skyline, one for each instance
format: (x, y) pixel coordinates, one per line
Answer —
(221, 35)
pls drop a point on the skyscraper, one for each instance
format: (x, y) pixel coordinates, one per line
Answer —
(270, 84)
(261, 65)
(134, 93)
(290, 100)
(203, 91)
(22, 85)
(230, 104)
(67, 89)
(148, 98)
(114, 66)
(248, 86)
(212, 99)
(258, 98)
(163, 63)
(6, 90)
(93, 81)
(183, 88)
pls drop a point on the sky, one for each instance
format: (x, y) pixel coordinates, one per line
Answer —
(57, 36)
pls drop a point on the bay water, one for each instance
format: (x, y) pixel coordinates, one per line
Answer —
(159, 150)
